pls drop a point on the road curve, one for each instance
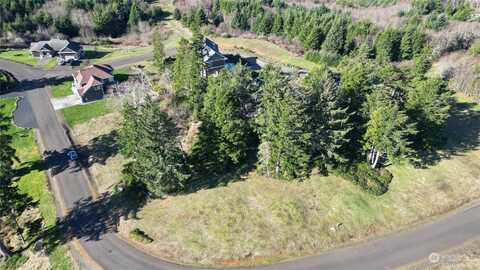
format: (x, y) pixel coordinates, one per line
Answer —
(111, 253)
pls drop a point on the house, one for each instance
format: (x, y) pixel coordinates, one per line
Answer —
(91, 82)
(213, 60)
(64, 49)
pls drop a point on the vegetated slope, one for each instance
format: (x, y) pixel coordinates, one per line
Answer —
(262, 220)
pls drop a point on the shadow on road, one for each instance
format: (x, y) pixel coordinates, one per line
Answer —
(90, 219)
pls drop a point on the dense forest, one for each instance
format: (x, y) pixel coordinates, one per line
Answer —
(86, 18)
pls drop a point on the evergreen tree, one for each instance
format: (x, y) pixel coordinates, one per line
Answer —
(315, 39)
(330, 121)
(335, 39)
(277, 27)
(134, 16)
(429, 103)
(200, 17)
(388, 44)
(283, 127)
(158, 50)
(188, 81)
(227, 133)
(155, 159)
(388, 128)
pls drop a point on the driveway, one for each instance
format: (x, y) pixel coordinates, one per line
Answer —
(64, 102)
(93, 227)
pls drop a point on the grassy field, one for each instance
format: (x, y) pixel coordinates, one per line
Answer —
(82, 113)
(268, 51)
(63, 89)
(19, 56)
(34, 183)
(104, 54)
(262, 220)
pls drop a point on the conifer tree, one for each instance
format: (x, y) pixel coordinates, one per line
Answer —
(330, 121)
(277, 27)
(388, 128)
(335, 39)
(134, 16)
(226, 133)
(155, 159)
(158, 51)
(283, 127)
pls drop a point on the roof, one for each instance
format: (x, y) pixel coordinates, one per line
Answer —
(210, 51)
(57, 45)
(92, 76)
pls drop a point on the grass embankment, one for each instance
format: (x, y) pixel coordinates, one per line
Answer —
(34, 183)
(263, 220)
(62, 89)
(25, 57)
(82, 113)
(265, 50)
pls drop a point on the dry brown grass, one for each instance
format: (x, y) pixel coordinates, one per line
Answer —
(106, 174)
(263, 220)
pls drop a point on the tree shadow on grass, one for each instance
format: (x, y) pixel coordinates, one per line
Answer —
(99, 149)
(461, 135)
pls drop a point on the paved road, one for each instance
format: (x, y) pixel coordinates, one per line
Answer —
(111, 253)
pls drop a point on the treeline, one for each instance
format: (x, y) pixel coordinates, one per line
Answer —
(353, 121)
(109, 17)
(326, 35)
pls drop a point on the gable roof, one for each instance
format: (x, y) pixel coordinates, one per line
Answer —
(57, 45)
(90, 76)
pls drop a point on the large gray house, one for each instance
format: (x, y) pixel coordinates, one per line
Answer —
(213, 60)
(64, 49)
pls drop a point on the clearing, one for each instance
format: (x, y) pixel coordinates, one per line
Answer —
(33, 181)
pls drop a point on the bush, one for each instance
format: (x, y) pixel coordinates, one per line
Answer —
(323, 57)
(140, 236)
(371, 180)
(436, 21)
(426, 6)
(475, 48)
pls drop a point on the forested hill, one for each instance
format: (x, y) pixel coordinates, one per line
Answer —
(34, 19)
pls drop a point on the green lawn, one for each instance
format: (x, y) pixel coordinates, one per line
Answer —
(25, 57)
(101, 55)
(63, 89)
(263, 220)
(82, 113)
(20, 56)
(34, 183)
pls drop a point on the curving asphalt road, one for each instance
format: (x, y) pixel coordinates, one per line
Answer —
(109, 252)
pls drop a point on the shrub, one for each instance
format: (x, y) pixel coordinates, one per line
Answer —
(459, 10)
(436, 21)
(323, 57)
(140, 236)
(14, 262)
(426, 6)
(475, 48)
(373, 181)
